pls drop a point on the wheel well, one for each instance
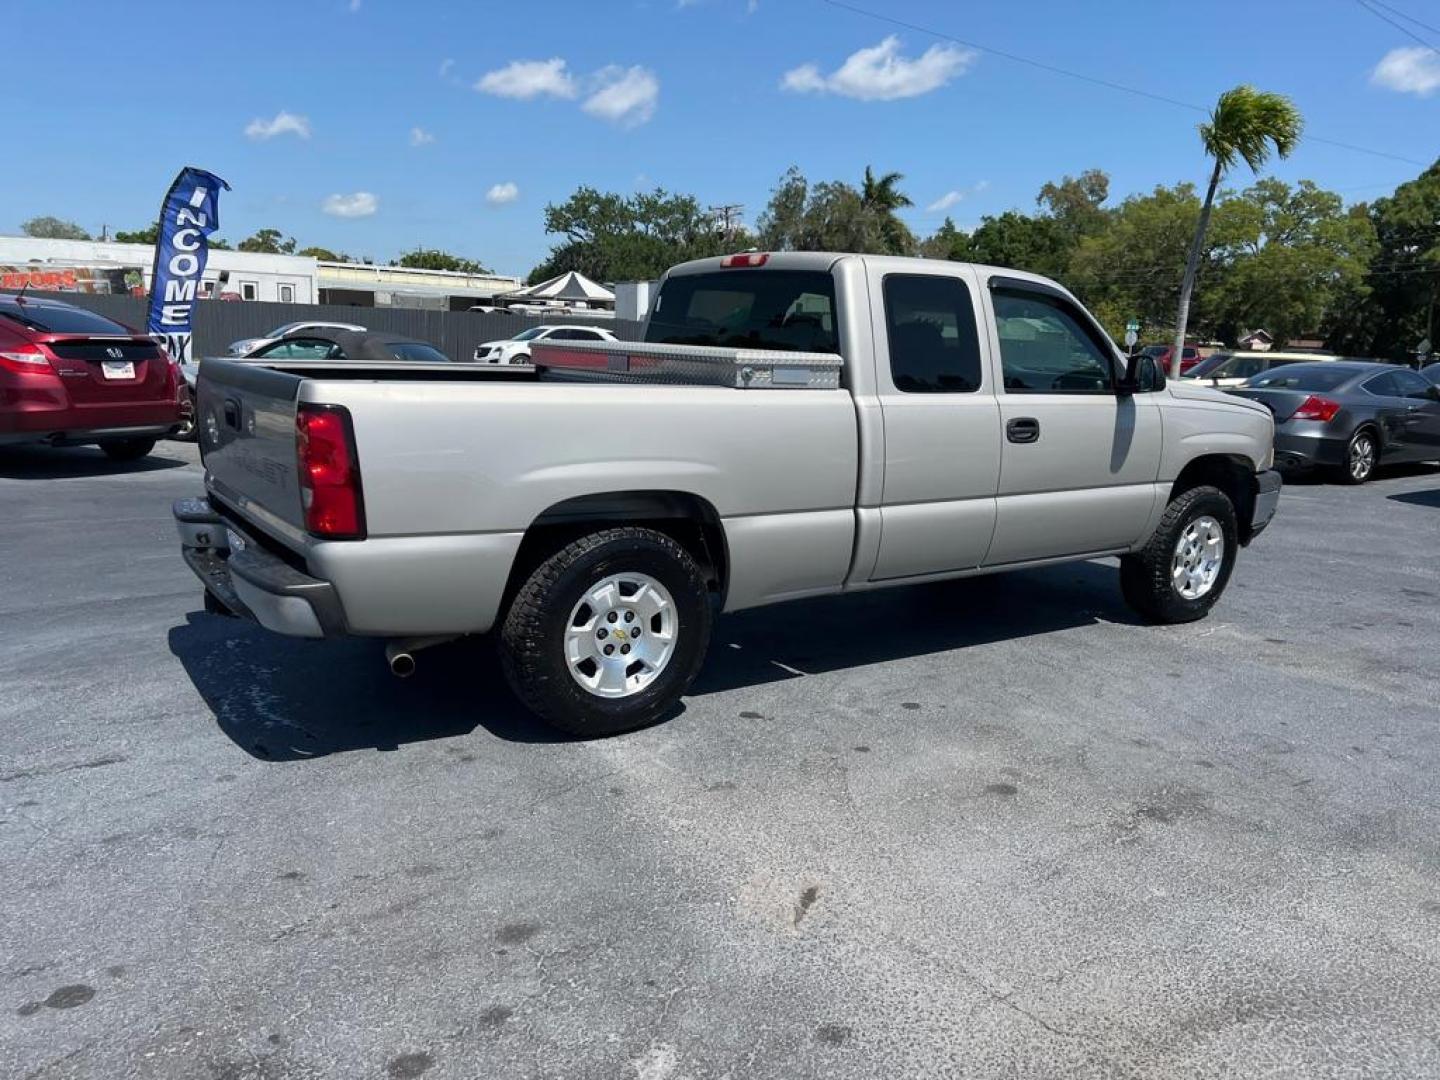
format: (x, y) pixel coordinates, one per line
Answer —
(689, 520)
(1235, 476)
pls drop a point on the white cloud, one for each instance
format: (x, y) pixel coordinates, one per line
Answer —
(752, 6)
(945, 202)
(526, 79)
(624, 96)
(420, 137)
(285, 123)
(500, 194)
(354, 6)
(445, 66)
(1413, 70)
(360, 204)
(981, 185)
(880, 73)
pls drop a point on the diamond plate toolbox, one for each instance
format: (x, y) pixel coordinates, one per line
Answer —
(689, 365)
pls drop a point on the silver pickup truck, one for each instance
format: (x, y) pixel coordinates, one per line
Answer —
(795, 424)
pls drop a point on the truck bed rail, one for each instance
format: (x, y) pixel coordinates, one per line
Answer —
(690, 365)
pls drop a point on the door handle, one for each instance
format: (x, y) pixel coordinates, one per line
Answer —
(1023, 429)
(232, 414)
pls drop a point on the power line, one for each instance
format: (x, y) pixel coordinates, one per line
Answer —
(1407, 18)
(1108, 84)
(1398, 26)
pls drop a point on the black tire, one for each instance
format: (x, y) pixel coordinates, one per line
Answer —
(1145, 576)
(520, 358)
(532, 638)
(126, 449)
(1350, 471)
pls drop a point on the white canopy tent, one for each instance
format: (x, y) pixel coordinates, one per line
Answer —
(570, 288)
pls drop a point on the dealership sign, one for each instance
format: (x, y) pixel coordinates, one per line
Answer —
(190, 213)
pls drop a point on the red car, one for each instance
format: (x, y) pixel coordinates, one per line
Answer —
(70, 377)
(1189, 356)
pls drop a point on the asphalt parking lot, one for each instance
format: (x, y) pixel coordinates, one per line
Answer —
(987, 829)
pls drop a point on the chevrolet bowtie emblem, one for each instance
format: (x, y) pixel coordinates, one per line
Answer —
(620, 634)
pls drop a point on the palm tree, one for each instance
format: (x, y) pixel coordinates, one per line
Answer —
(1245, 125)
(882, 196)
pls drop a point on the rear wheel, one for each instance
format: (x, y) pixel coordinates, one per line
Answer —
(608, 632)
(126, 449)
(1361, 454)
(1181, 572)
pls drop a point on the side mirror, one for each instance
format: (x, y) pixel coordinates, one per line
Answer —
(1142, 376)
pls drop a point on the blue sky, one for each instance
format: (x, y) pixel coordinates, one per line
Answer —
(311, 109)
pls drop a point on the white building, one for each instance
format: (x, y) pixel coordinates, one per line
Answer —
(285, 279)
(106, 266)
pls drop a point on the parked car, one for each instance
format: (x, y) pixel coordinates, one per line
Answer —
(368, 346)
(1162, 354)
(70, 377)
(246, 346)
(1349, 416)
(592, 514)
(1227, 369)
(516, 350)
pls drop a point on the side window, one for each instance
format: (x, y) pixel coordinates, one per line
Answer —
(1242, 367)
(587, 335)
(301, 349)
(1383, 385)
(1047, 347)
(287, 294)
(1410, 385)
(248, 290)
(930, 325)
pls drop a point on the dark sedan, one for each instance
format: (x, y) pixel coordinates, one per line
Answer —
(1349, 416)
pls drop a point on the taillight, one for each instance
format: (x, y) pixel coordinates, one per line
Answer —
(746, 258)
(25, 360)
(1316, 407)
(329, 473)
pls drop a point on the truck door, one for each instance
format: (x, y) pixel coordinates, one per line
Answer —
(1078, 462)
(941, 421)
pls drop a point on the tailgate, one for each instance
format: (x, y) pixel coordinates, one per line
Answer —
(245, 421)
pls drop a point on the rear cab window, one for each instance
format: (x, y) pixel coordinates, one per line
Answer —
(786, 310)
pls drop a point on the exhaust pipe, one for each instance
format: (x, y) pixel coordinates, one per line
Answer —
(400, 653)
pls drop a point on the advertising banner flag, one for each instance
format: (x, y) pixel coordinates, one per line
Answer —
(190, 213)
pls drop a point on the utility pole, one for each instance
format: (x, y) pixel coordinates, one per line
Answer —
(727, 217)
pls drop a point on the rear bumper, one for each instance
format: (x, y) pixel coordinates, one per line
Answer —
(1303, 449)
(252, 582)
(1267, 501)
(85, 436)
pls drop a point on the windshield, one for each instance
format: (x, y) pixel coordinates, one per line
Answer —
(789, 310)
(527, 335)
(1303, 377)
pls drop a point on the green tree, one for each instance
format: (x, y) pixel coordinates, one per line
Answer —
(148, 235)
(613, 237)
(1123, 272)
(1016, 240)
(324, 254)
(268, 242)
(1075, 203)
(947, 242)
(433, 259)
(53, 228)
(1245, 125)
(828, 216)
(1400, 300)
(881, 196)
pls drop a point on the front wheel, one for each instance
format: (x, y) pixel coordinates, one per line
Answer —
(1179, 575)
(126, 449)
(608, 632)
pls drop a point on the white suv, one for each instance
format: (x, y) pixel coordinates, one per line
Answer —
(516, 350)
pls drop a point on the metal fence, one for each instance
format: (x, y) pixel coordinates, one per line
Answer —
(455, 333)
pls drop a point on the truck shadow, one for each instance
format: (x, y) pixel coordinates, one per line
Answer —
(67, 462)
(283, 699)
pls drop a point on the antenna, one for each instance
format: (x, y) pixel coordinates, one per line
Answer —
(20, 296)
